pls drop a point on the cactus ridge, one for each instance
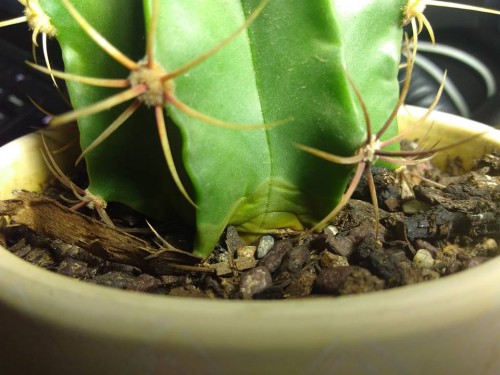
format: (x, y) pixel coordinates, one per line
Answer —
(147, 83)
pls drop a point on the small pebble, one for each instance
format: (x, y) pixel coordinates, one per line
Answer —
(233, 240)
(329, 260)
(302, 285)
(40, 257)
(347, 280)
(63, 250)
(145, 283)
(397, 254)
(421, 244)
(246, 252)
(366, 228)
(238, 264)
(491, 245)
(359, 281)
(255, 281)
(217, 289)
(273, 259)
(423, 259)
(341, 245)
(266, 243)
(114, 279)
(331, 230)
(21, 249)
(372, 256)
(446, 261)
(428, 274)
(392, 203)
(296, 258)
(75, 268)
(329, 280)
(414, 206)
(119, 267)
(173, 280)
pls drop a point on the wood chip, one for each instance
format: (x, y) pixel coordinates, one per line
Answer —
(53, 220)
(241, 264)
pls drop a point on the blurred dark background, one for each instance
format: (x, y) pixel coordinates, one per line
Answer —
(468, 46)
(20, 86)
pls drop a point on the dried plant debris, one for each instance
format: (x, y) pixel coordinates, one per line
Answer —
(49, 218)
(425, 234)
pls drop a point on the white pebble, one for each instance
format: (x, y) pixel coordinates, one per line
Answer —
(332, 229)
(266, 243)
(423, 259)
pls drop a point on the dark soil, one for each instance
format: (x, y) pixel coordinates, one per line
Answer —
(426, 232)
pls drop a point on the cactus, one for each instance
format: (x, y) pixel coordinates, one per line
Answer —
(241, 84)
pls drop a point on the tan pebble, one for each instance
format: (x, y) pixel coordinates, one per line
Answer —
(246, 252)
(423, 259)
(330, 260)
(490, 244)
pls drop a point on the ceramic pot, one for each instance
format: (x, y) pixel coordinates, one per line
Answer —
(51, 324)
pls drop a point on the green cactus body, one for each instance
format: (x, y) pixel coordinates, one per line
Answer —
(132, 156)
(290, 64)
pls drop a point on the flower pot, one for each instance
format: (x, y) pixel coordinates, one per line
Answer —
(50, 324)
